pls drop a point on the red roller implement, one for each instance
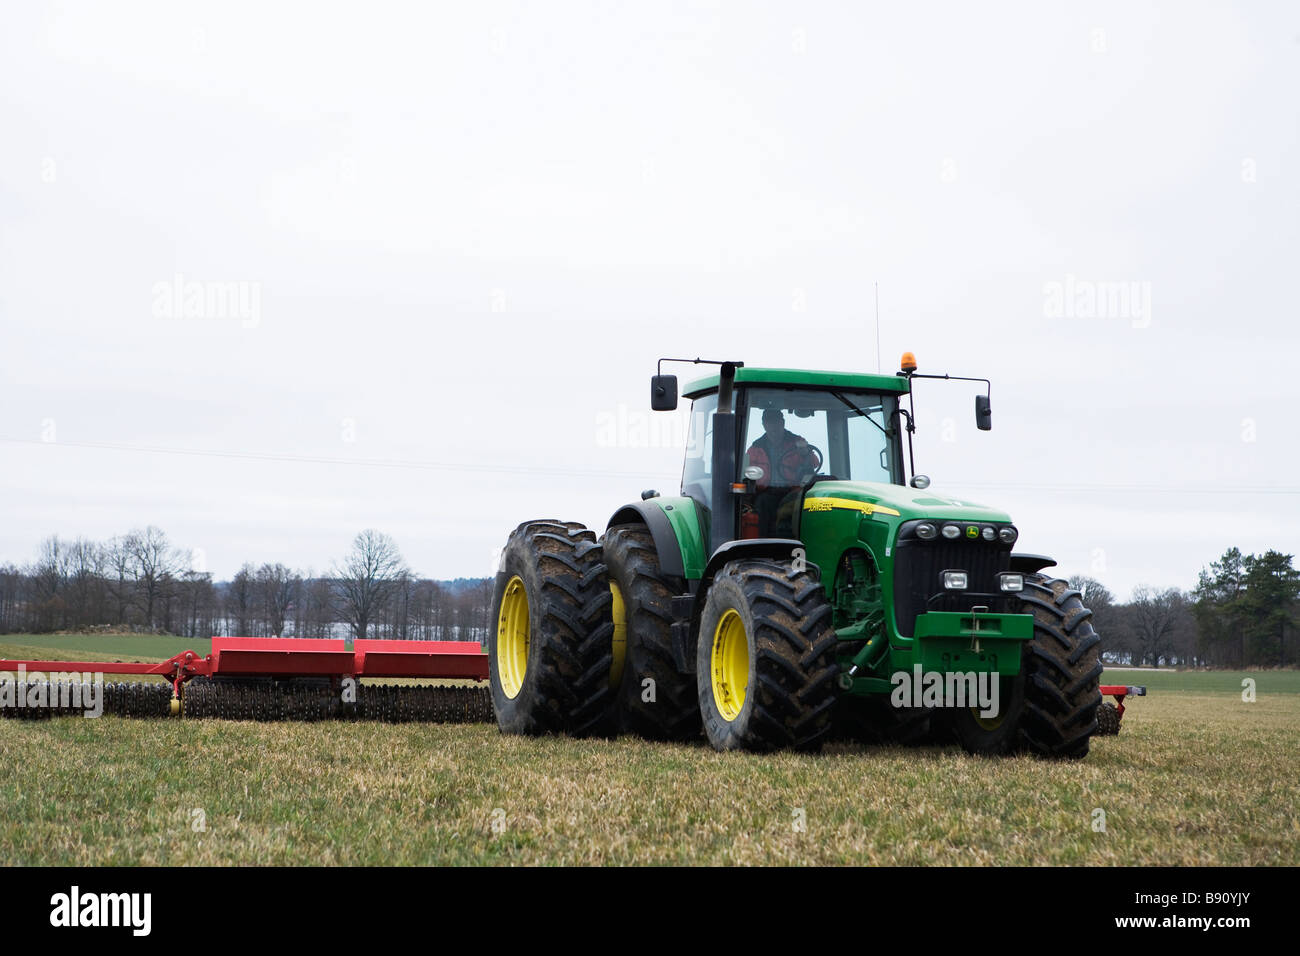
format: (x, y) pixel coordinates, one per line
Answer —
(295, 657)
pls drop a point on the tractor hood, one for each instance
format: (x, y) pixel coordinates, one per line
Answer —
(909, 503)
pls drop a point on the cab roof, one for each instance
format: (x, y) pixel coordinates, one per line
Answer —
(806, 377)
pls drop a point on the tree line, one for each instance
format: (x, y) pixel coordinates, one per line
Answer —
(140, 582)
(1243, 612)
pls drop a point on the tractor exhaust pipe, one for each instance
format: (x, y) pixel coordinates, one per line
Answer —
(723, 522)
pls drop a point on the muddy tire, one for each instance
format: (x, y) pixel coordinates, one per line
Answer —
(1062, 669)
(1050, 708)
(550, 645)
(666, 709)
(1108, 719)
(995, 735)
(765, 659)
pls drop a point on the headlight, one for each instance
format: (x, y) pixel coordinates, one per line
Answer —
(954, 580)
(1012, 582)
(1008, 535)
(926, 531)
(989, 534)
(951, 532)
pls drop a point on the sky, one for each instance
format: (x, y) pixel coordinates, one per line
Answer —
(274, 273)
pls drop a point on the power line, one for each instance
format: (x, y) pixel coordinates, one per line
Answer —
(601, 473)
(328, 460)
(1133, 489)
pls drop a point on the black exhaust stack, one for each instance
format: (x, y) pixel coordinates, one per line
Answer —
(723, 525)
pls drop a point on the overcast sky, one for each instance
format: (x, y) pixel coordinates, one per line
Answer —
(457, 236)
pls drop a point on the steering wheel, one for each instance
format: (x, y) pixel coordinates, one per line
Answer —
(795, 462)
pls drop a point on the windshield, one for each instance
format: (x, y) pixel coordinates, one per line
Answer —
(794, 434)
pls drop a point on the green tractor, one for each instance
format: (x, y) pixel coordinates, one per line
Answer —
(801, 586)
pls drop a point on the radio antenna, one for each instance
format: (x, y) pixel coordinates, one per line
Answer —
(877, 328)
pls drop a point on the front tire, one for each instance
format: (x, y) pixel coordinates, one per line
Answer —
(1050, 707)
(1062, 669)
(765, 659)
(996, 735)
(550, 649)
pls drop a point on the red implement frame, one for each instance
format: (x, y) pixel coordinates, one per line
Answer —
(294, 657)
(1119, 692)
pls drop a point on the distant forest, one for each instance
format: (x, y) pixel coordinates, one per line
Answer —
(140, 582)
(1243, 611)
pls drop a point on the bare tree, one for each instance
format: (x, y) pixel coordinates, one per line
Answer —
(367, 579)
(1159, 621)
(153, 566)
(242, 599)
(315, 612)
(119, 580)
(1097, 598)
(276, 586)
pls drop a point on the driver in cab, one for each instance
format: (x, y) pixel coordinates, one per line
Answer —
(786, 460)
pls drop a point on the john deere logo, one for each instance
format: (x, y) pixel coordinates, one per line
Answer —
(972, 531)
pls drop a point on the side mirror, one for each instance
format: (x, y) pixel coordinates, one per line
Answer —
(983, 413)
(663, 392)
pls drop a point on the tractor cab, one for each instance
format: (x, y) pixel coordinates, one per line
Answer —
(789, 429)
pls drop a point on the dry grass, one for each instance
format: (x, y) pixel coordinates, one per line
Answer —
(1195, 778)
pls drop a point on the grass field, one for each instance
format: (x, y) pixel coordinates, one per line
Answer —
(1197, 776)
(1206, 682)
(107, 647)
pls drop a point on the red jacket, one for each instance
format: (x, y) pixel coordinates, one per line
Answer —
(793, 460)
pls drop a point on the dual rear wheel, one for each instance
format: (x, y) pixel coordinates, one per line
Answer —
(550, 646)
(582, 644)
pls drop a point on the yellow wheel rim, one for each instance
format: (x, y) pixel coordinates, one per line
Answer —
(993, 723)
(512, 637)
(619, 612)
(730, 665)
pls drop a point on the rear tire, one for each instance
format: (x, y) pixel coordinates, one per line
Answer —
(765, 659)
(645, 596)
(550, 648)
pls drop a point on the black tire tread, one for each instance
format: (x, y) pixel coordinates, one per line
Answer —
(795, 668)
(1108, 719)
(1062, 670)
(631, 556)
(570, 690)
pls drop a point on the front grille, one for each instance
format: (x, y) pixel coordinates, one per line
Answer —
(918, 566)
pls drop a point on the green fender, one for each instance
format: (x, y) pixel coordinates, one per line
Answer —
(674, 524)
